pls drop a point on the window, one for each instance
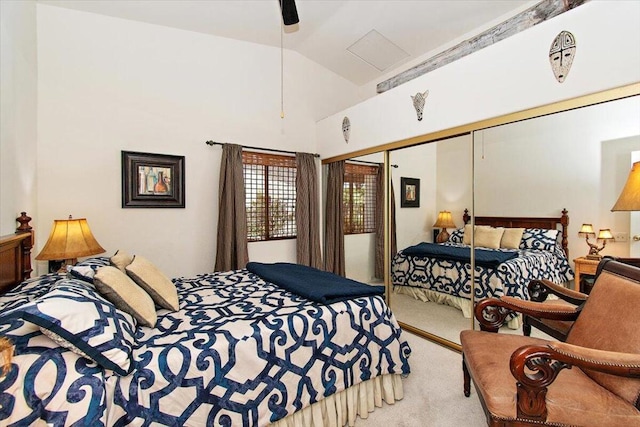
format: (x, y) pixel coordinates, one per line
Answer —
(359, 198)
(270, 192)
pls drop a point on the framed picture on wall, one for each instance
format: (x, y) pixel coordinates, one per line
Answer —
(410, 194)
(152, 180)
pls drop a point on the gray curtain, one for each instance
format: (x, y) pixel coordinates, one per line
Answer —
(379, 245)
(334, 227)
(307, 212)
(231, 248)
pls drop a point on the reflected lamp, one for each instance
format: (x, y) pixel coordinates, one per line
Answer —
(69, 240)
(603, 235)
(443, 222)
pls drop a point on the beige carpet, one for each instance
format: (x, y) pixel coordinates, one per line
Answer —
(433, 394)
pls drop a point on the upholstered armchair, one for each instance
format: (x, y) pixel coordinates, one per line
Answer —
(592, 379)
(541, 316)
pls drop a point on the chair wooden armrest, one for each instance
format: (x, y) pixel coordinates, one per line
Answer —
(535, 367)
(491, 313)
(539, 290)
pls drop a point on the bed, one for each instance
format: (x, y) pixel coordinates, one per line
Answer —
(238, 351)
(442, 272)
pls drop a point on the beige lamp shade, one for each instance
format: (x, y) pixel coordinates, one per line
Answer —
(444, 220)
(605, 234)
(70, 239)
(587, 230)
(629, 199)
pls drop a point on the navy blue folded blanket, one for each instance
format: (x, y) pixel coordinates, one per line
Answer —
(311, 283)
(484, 257)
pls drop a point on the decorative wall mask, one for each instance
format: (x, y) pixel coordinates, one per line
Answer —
(561, 54)
(346, 128)
(418, 102)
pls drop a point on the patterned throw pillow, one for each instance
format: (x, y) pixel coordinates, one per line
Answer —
(539, 238)
(77, 317)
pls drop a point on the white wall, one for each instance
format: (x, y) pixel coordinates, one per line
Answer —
(576, 160)
(108, 84)
(18, 112)
(511, 75)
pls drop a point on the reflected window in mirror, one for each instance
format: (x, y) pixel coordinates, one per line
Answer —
(359, 198)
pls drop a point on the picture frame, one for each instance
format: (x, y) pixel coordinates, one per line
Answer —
(410, 192)
(152, 180)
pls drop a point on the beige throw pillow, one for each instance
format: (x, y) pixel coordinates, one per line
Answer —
(488, 237)
(466, 237)
(118, 288)
(152, 280)
(120, 260)
(511, 238)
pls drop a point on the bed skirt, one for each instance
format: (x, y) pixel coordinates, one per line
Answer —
(462, 304)
(344, 407)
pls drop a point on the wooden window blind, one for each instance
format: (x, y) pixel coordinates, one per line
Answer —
(270, 191)
(359, 198)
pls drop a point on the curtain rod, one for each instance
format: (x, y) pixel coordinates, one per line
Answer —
(212, 143)
(369, 163)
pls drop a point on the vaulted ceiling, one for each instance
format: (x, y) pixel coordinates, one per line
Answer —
(361, 40)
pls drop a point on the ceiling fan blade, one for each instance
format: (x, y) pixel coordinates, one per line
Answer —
(289, 12)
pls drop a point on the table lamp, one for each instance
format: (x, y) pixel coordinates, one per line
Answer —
(69, 240)
(629, 199)
(594, 250)
(443, 222)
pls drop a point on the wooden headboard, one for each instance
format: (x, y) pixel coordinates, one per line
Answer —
(559, 223)
(15, 255)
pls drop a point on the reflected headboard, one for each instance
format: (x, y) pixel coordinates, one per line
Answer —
(550, 223)
(15, 255)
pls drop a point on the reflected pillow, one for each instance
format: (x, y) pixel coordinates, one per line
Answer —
(457, 235)
(488, 237)
(467, 233)
(154, 282)
(511, 238)
(118, 288)
(539, 238)
(78, 318)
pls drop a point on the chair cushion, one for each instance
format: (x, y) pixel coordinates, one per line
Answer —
(573, 399)
(609, 321)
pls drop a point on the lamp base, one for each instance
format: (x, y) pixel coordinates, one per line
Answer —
(597, 257)
(443, 236)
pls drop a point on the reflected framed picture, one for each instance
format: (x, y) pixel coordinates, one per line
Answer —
(410, 193)
(152, 180)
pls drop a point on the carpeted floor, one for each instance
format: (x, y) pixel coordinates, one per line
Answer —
(433, 394)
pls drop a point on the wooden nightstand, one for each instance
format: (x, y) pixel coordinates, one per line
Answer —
(584, 266)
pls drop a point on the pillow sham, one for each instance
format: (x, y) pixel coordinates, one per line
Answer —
(151, 279)
(511, 238)
(457, 235)
(84, 273)
(95, 262)
(488, 237)
(120, 260)
(539, 238)
(118, 288)
(76, 317)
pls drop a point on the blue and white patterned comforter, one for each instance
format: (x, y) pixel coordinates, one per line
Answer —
(454, 277)
(240, 351)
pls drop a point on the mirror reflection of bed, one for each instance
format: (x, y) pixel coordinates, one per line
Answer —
(574, 159)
